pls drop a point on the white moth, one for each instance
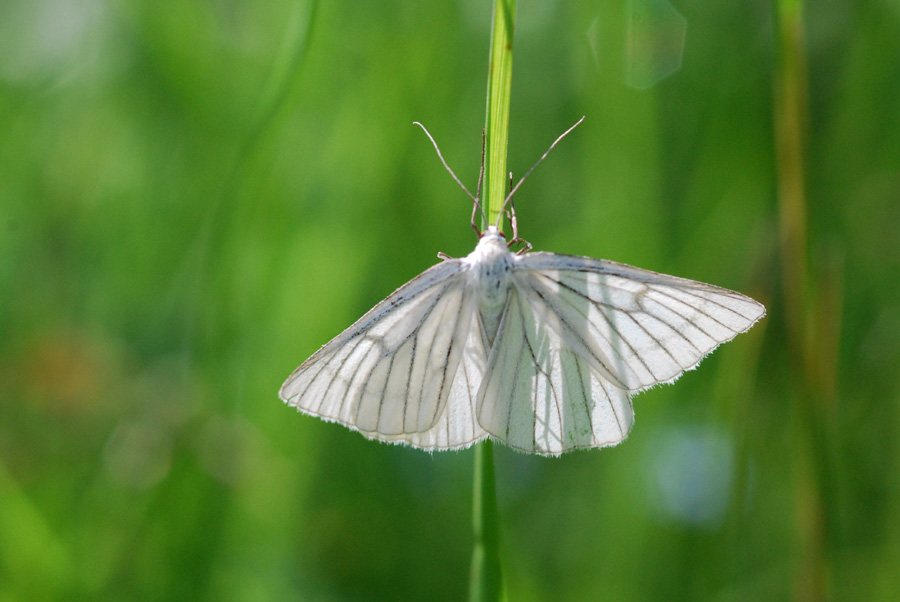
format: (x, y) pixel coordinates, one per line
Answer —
(540, 351)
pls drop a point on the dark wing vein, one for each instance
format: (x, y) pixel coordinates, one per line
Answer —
(662, 324)
(415, 333)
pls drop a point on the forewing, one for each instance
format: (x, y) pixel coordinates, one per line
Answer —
(635, 327)
(391, 374)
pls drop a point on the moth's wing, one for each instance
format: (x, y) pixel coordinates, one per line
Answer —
(593, 333)
(457, 426)
(636, 327)
(392, 374)
(539, 395)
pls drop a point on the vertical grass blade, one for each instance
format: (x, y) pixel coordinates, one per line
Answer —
(486, 578)
(790, 122)
(811, 299)
(496, 122)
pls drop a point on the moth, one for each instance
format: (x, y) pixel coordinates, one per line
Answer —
(538, 350)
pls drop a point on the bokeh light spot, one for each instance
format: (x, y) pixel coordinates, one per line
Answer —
(654, 42)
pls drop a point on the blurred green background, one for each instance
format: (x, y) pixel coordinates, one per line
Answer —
(196, 195)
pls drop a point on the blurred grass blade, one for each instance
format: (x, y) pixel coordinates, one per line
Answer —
(294, 43)
(812, 324)
(790, 143)
(41, 563)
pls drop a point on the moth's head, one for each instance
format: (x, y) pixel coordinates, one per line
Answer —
(494, 232)
(491, 249)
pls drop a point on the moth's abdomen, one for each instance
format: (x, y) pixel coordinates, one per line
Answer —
(492, 282)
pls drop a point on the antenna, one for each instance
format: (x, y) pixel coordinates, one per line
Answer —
(476, 197)
(477, 206)
(544, 156)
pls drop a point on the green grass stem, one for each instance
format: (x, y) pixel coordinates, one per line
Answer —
(812, 296)
(486, 579)
(496, 123)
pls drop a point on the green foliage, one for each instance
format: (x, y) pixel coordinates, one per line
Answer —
(195, 196)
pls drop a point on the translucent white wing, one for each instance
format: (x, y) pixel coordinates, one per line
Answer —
(392, 374)
(580, 336)
(541, 395)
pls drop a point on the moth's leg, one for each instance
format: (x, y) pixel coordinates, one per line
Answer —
(511, 214)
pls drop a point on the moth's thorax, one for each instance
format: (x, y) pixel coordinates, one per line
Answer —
(491, 263)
